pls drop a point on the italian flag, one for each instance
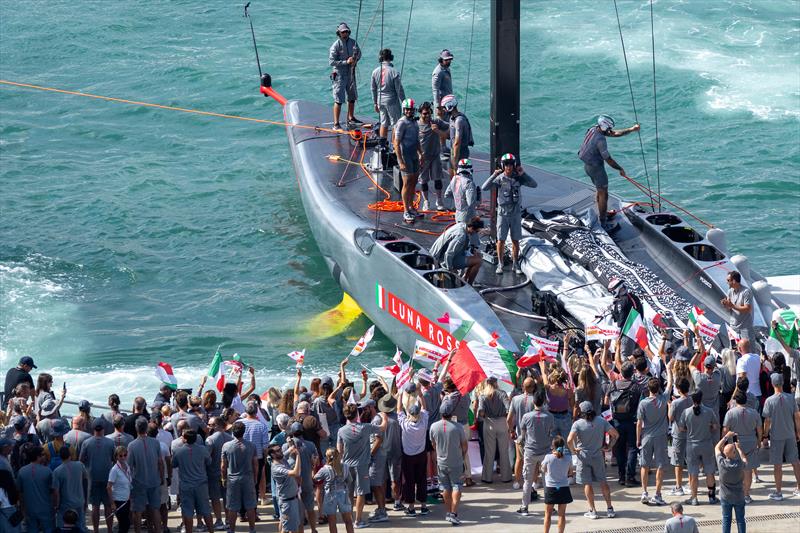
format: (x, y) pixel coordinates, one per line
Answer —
(361, 345)
(537, 349)
(787, 327)
(216, 372)
(634, 328)
(165, 374)
(458, 328)
(474, 361)
(698, 318)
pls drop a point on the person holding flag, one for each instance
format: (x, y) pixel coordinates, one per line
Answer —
(560, 398)
(624, 301)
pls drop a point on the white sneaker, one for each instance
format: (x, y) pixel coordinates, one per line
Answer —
(499, 269)
(454, 520)
(796, 492)
(517, 269)
(516, 485)
(425, 206)
(591, 515)
(645, 497)
(610, 513)
(677, 491)
(408, 217)
(776, 496)
(657, 500)
(439, 205)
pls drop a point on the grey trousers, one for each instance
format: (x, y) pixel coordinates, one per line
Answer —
(495, 439)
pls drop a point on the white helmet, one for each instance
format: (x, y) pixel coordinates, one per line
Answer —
(449, 102)
(605, 122)
(616, 286)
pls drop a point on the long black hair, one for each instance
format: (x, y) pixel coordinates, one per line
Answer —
(697, 400)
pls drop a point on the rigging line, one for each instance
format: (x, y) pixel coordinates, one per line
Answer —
(358, 18)
(655, 103)
(469, 59)
(405, 44)
(380, 95)
(633, 101)
(172, 108)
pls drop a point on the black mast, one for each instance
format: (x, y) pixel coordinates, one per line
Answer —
(504, 114)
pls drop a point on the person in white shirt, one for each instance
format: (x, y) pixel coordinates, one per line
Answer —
(749, 364)
(119, 488)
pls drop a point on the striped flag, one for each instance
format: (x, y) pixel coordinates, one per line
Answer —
(706, 327)
(215, 371)
(458, 327)
(634, 328)
(362, 343)
(165, 374)
(538, 349)
(404, 376)
(431, 352)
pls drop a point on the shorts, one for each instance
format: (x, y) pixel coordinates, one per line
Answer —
(336, 502)
(653, 453)
(459, 262)
(597, 174)
(99, 494)
(215, 490)
(359, 480)
(194, 498)
(290, 515)
(377, 470)
(307, 497)
(512, 223)
(782, 451)
(344, 88)
(678, 452)
(393, 464)
(240, 493)
(750, 450)
(389, 114)
(142, 498)
(412, 164)
(590, 469)
(432, 170)
(557, 496)
(450, 479)
(700, 454)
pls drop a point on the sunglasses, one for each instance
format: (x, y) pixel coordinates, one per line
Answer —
(425, 113)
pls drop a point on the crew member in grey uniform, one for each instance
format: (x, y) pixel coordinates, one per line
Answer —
(587, 441)
(307, 454)
(680, 523)
(286, 483)
(409, 153)
(451, 247)
(387, 92)
(746, 423)
(708, 381)
(651, 439)
(535, 433)
(442, 85)
(593, 153)
(215, 442)
(508, 180)
(739, 302)
(460, 132)
(464, 192)
(432, 132)
(343, 56)
(449, 442)
(676, 409)
(782, 426)
(193, 461)
(238, 467)
(700, 424)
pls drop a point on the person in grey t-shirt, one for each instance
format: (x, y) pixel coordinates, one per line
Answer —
(387, 92)
(239, 464)
(739, 301)
(450, 249)
(449, 441)
(307, 454)
(193, 462)
(782, 425)
(594, 152)
(708, 381)
(286, 484)
(731, 462)
(745, 422)
(34, 482)
(680, 523)
(97, 454)
(700, 423)
(535, 433)
(70, 487)
(651, 439)
(521, 404)
(147, 473)
(409, 155)
(215, 442)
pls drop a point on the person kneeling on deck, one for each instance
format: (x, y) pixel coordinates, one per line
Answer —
(450, 249)
(508, 180)
(593, 152)
(409, 154)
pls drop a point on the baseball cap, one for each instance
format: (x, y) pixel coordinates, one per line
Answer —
(683, 353)
(586, 406)
(59, 428)
(369, 402)
(448, 407)
(6, 442)
(777, 380)
(296, 428)
(84, 405)
(414, 409)
(304, 397)
(446, 54)
(411, 387)
(342, 27)
(27, 360)
(425, 374)
(18, 422)
(98, 423)
(327, 380)
(709, 362)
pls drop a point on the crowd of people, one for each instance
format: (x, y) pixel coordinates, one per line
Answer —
(317, 452)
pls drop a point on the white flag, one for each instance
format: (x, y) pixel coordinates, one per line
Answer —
(431, 352)
(361, 345)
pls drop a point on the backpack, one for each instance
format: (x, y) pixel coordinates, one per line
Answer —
(624, 402)
(55, 458)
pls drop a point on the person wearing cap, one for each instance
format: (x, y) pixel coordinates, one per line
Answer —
(521, 404)
(431, 389)
(353, 443)
(407, 148)
(387, 92)
(53, 446)
(745, 422)
(508, 180)
(739, 302)
(676, 409)
(70, 488)
(343, 57)
(239, 461)
(393, 447)
(442, 81)
(77, 435)
(147, 474)
(464, 193)
(163, 396)
(35, 484)
(535, 432)
(97, 454)
(460, 132)
(450, 249)
(286, 479)
(651, 439)
(16, 375)
(257, 433)
(449, 441)
(700, 424)
(594, 154)
(587, 442)
(782, 426)
(624, 301)
(432, 133)
(193, 461)
(307, 454)
(44, 391)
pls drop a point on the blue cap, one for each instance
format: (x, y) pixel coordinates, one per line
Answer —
(27, 360)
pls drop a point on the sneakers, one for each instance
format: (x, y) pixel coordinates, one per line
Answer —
(523, 511)
(398, 506)
(379, 515)
(408, 218)
(657, 500)
(425, 205)
(610, 513)
(219, 526)
(424, 510)
(621, 481)
(776, 496)
(201, 528)
(591, 515)
(517, 269)
(516, 485)
(337, 126)
(499, 269)
(677, 491)
(758, 480)
(410, 512)
(361, 525)
(354, 120)
(796, 492)
(748, 500)
(416, 213)
(692, 501)
(440, 207)
(454, 520)
(645, 497)
(713, 500)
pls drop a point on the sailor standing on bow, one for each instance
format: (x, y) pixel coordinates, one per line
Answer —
(409, 156)
(442, 85)
(432, 131)
(460, 132)
(593, 153)
(387, 92)
(508, 180)
(343, 57)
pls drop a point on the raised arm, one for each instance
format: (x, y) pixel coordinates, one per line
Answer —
(252, 386)
(299, 375)
(618, 354)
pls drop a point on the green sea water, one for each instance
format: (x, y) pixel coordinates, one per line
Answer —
(131, 235)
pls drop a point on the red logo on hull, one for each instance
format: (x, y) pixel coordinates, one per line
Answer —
(413, 319)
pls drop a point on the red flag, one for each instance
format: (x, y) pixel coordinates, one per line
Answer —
(658, 321)
(493, 342)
